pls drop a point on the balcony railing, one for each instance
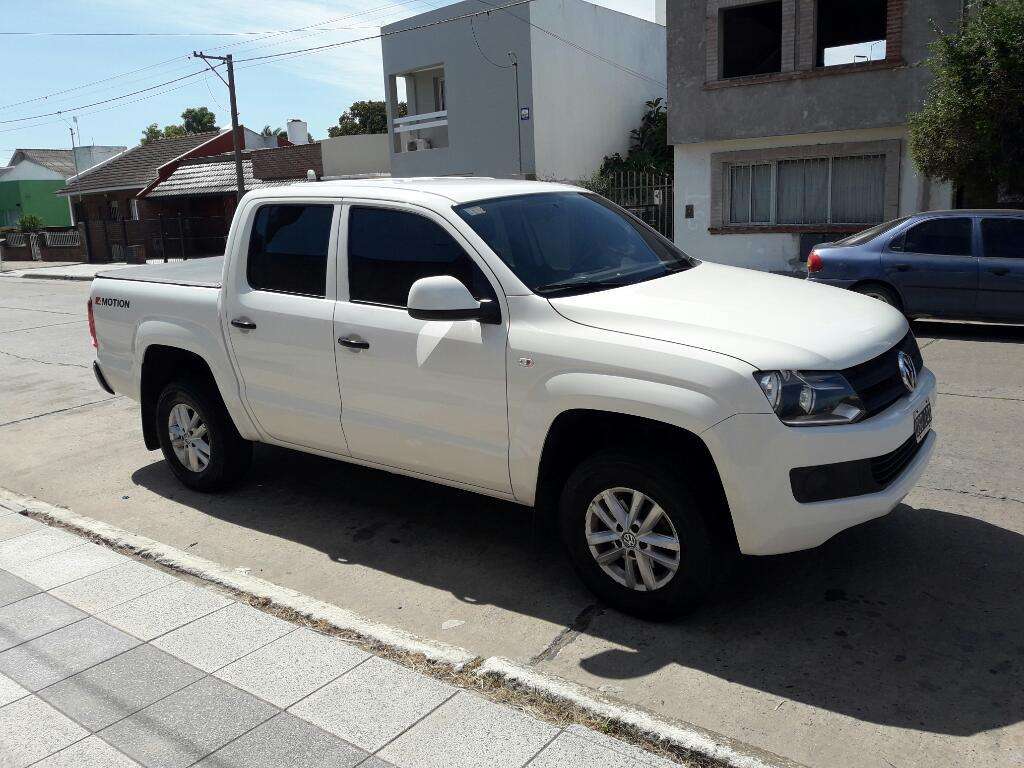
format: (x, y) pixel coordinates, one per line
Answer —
(421, 121)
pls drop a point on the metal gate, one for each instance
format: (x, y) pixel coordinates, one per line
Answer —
(648, 196)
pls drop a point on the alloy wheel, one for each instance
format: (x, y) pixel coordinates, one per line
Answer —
(632, 539)
(189, 437)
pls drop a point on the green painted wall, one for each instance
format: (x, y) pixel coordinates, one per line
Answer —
(35, 197)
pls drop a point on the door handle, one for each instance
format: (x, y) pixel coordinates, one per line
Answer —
(902, 267)
(353, 342)
(244, 323)
(1000, 271)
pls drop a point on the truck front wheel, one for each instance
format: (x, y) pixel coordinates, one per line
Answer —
(198, 439)
(635, 534)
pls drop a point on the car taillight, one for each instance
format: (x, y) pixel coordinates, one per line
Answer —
(814, 262)
(92, 325)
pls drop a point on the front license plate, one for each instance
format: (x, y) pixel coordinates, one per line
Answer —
(922, 421)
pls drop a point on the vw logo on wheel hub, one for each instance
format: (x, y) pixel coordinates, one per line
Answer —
(629, 540)
(907, 371)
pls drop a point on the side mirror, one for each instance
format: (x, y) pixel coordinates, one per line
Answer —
(445, 298)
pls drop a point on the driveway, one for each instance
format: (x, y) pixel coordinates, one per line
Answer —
(897, 643)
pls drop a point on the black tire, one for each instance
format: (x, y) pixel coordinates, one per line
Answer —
(662, 482)
(230, 455)
(881, 292)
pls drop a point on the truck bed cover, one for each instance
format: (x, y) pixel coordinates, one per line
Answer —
(203, 273)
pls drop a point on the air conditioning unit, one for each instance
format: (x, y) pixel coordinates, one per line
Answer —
(417, 144)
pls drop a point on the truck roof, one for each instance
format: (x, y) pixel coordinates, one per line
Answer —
(457, 189)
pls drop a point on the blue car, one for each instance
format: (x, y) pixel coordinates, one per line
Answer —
(960, 265)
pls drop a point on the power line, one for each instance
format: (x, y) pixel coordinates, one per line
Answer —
(104, 101)
(185, 57)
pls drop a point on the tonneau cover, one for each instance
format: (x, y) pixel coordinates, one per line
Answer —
(204, 273)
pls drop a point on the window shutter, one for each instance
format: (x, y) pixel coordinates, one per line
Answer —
(739, 194)
(803, 191)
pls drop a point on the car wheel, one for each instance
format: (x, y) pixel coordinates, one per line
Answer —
(636, 536)
(198, 439)
(880, 292)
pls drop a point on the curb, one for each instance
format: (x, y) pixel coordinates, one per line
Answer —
(30, 276)
(677, 736)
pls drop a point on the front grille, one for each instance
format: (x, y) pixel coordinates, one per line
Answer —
(827, 482)
(878, 381)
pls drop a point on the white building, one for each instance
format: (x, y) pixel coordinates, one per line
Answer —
(541, 90)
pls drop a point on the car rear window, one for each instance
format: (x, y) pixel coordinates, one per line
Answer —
(868, 235)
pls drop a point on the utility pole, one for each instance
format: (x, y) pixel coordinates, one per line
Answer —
(230, 83)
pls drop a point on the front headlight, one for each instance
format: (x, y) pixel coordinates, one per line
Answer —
(810, 398)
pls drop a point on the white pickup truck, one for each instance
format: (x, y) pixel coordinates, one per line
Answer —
(535, 343)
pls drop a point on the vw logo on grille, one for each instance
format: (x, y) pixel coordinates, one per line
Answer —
(907, 371)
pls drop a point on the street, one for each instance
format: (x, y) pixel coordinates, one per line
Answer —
(896, 643)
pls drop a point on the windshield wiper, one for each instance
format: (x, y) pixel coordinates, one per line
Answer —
(566, 285)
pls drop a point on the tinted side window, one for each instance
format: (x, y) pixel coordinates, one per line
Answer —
(1003, 238)
(945, 237)
(288, 249)
(389, 250)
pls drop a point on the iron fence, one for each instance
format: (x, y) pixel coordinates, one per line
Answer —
(648, 196)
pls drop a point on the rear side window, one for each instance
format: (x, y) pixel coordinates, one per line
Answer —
(288, 249)
(942, 237)
(389, 250)
(1003, 238)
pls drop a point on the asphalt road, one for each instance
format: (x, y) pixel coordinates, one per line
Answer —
(898, 643)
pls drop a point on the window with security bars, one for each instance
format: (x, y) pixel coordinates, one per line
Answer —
(808, 191)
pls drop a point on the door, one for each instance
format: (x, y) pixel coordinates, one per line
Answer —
(933, 265)
(426, 396)
(279, 310)
(1001, 288)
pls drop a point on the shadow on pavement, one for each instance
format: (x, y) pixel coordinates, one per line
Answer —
(944, 329)
(913, 620)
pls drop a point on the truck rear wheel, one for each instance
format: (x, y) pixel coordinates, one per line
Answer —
(198, 439)
(636, 536)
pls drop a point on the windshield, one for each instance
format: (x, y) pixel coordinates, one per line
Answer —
(561, 243)
(869, 234)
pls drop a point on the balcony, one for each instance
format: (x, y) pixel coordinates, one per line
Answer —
(424, 124)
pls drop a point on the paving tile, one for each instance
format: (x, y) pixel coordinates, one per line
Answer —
(569, 750)
(614, 745)
(10, 691)
(470, 731)
(286, 740)
(32, 546)
(373, 703)
(12, 588)
(12, 525)
(293, 666)
(32, 617)
(60, 568)
(88, 753)
(121, 686)
(31, 730)
(164, 609)
(114, 586)
(188, 725)
(223, 637)
(63, 652)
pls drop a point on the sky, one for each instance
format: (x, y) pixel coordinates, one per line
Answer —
(316, 87)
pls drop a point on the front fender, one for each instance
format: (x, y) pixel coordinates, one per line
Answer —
(669, 403)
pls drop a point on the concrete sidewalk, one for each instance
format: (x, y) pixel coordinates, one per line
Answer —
(42, 270)
(106, 661)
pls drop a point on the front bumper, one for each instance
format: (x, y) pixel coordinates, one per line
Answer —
(755, 454)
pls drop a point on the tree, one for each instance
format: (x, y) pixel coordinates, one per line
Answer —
(649, 150)
(194, 120)
(969, 131)
(364, 117)
(280, 133)
(198, 120)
